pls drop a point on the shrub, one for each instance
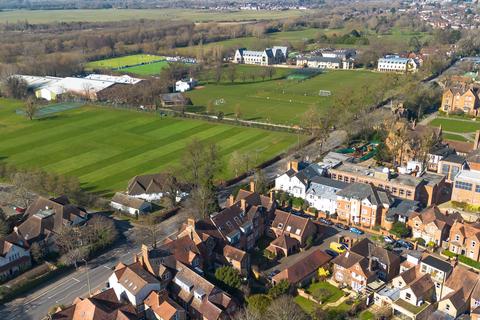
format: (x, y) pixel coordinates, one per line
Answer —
(281, 288)
(259, 303)
(298, 202)
(400, 229)
(420, 241)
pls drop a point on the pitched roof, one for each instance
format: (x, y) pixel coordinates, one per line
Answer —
(284, 242)
(134, 278)
(183, 248)
(462, 281)
(361, 191)
(162, 305)
(434, 215)
(49, 215)
(303, 267)
(147, 184)
(101, 306)
(467, 230)
(421, 285)
(291, 223)
(233, 253)
(127, 201)
(207, 299)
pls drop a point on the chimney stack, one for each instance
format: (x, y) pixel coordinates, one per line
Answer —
(243, 204)
(293, 165)
(230, 200)
(191, 222)
(272, 196)
(252, 185)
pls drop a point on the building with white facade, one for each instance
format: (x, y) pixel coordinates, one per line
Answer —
(296, 182)
(322, 194)
(14, 255)
(396, 64)
(185, 85)
(317, 62)
(275, 55)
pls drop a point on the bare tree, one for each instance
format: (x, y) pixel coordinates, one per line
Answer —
(22, 180)
(150, 231)
(171, 188)
(232, 73)
(247, 314)
(237, 111)
(271, 72)
(30, 108)
(284, 308)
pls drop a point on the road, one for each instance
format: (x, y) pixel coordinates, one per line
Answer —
(64, 290)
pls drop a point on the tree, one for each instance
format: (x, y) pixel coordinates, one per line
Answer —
(218, 72)
(261, 184)
(37, 252)
(4, 228)
(232, 73)
(240, 162)
(229, 276)
(171, 188)
(21, 181)
(284, 308)
(237, 111)
(210, 107)
(271, 72)
(259, 303)
(150, 231)
(281, 288)
(202, 201)
(15, 87)
(247, 314)
(220, 115)
(30, 108)
(74, 256)
(400, 229)
(100, 231)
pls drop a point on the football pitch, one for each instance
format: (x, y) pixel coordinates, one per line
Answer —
(120, 62)
(282, 101)
(104, 147)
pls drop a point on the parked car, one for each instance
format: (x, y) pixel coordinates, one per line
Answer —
(404, 244)
(344, 244)
(341, 226)
(331, 253)
(337, 247)
(356, 231)
(326, 221)
(388, 239)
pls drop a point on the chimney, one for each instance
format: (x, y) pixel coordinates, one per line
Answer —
(293, 165)
(252, 185)
(191, 222)
(230, 200)
(15, 229)
(144, 250)
(243, 204)
(370, 263)
(414, 124)
(272, 196)
(476, 142)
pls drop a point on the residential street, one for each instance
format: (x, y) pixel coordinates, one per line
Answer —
(65, 289)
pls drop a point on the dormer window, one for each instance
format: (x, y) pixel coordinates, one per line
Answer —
(298, 232)
(289, 228)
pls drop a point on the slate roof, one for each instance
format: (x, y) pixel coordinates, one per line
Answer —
(361, 191)
(127, 201)
(403, 207)
(454, 158)
(438, 264)
(146, 184)
(421, 285)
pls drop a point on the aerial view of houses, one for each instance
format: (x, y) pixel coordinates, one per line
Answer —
(288, 160)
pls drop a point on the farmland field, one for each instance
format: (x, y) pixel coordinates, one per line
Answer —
(47, 16)
(281, 101)
(104, 148)
(147, 69)
(123, 61)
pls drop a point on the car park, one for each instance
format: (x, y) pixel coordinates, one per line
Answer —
(356, 231)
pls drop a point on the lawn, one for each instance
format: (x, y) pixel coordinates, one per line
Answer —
(317, 288)
(147, 69)
(104, 147)
(281, 101)
(460, 126)
(455, 137)
(120, 62)
(103, 15)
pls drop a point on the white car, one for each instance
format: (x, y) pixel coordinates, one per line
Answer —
(388, 239)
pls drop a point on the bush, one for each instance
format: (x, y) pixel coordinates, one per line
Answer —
(298, 202)
(400, 229)
(280, 289)
(309, 242)
(420, 241)
(269, 255)
(259, 303)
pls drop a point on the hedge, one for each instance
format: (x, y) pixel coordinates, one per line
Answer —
(461, 258)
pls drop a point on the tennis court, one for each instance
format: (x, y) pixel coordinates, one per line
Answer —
(48, 110)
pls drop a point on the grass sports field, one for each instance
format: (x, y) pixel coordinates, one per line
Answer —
(104, 148)
(102, 15)
(280, 101)
(123, 61)
(147, 69)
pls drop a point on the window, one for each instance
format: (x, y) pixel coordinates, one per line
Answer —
(340, 177)
(401, 192)
(457, 237)
(447, 307)
(352, 180)
(463, 185)
(477, 188)
(473, 244)
(455, 170)
(409, 193)
(445, 169)
(394, 190)
(407, 296)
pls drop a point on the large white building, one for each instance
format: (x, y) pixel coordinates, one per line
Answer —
(266, 57)
(396, 64)
(317, 62)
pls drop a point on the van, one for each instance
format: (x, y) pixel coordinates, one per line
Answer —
(337, 247)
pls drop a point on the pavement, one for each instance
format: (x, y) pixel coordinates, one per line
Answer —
(64, 289)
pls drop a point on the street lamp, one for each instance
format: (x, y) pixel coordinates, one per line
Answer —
(88, 278)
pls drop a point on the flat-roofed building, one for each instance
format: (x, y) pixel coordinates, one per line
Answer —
(466, 187)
